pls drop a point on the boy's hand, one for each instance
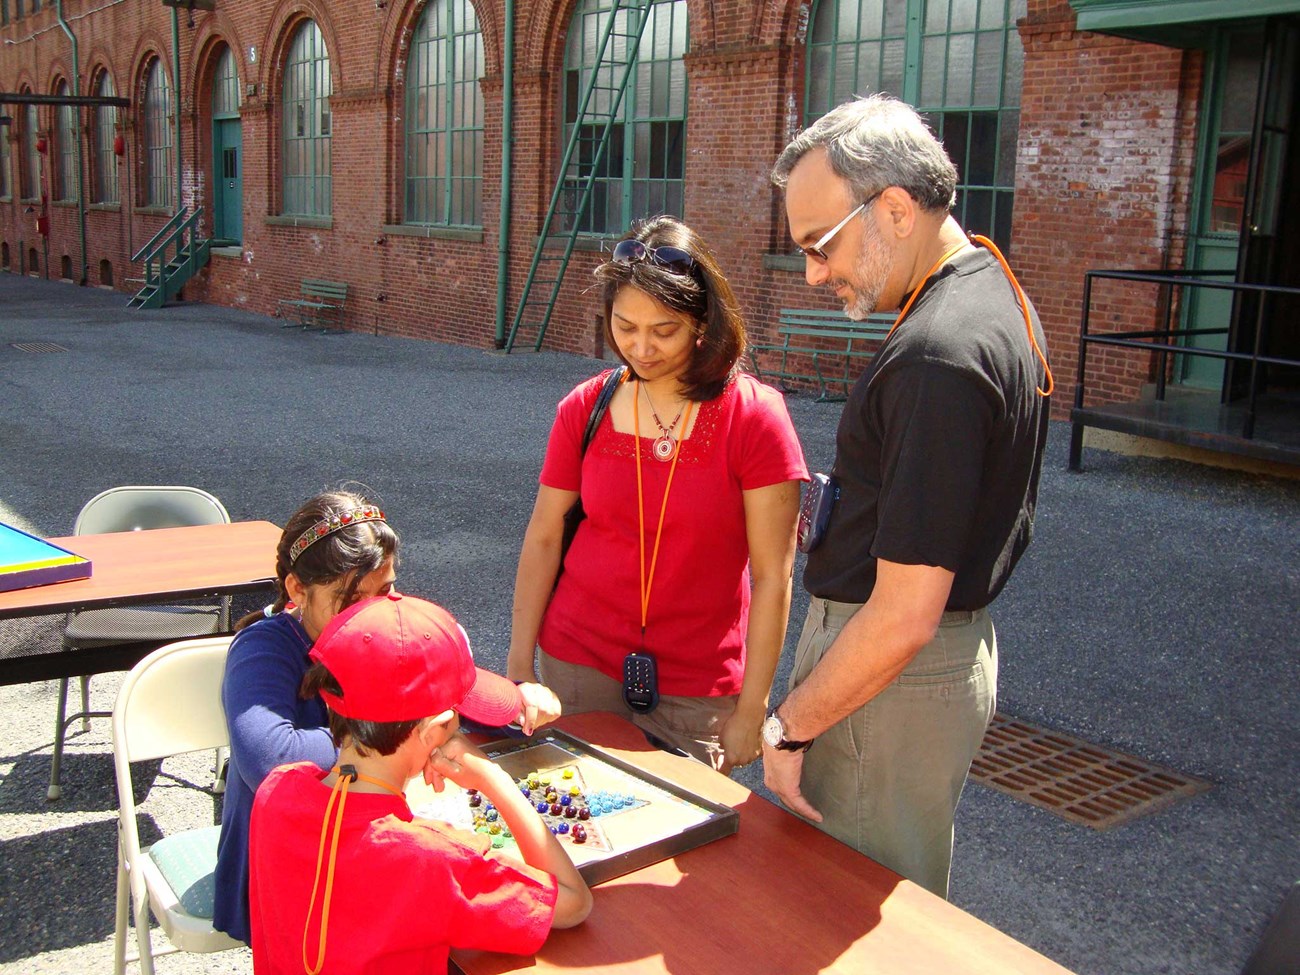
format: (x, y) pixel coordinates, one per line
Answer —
(461, 762)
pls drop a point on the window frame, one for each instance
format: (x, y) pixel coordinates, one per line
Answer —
(306, 190)
(106, 186)
(30, 175)
(67, 127)
(157, 152)
(911, 43)
(624, 174)
(454, 190)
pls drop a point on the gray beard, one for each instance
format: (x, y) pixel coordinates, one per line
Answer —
(869, 274)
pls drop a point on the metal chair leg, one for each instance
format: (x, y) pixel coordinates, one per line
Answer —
(54, 791)
(85, 703)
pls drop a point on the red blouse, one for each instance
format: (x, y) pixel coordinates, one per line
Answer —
(699, 603)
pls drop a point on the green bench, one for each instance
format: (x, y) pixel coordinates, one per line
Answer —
(819, 347)
(320, 305)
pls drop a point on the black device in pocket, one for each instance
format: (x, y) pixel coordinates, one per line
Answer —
(640, 682)
(815, 510)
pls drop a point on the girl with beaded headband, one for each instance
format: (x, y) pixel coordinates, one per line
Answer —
(690, 487)
(336, 550)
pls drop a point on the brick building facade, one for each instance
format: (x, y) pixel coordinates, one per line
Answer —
(1100, 139)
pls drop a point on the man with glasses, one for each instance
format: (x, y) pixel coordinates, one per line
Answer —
(933, 493)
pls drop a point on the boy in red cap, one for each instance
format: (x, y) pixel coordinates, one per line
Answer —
(395, 672)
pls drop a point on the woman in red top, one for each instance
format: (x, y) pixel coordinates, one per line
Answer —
(691, 490)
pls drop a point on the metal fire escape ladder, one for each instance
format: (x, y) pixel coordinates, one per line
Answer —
(588, 142)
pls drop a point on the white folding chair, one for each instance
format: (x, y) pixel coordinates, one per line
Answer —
(169, 704)
(122, 509)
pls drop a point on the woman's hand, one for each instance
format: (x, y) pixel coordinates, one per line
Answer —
(541, 706)
(740, 739)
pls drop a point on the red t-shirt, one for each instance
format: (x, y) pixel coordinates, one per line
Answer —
(404, 893)
(699, 600)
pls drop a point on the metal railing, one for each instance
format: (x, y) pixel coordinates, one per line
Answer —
(1166, 340)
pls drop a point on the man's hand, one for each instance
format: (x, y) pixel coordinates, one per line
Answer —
(782, 773)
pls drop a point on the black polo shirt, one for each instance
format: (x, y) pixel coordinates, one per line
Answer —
(940, 445)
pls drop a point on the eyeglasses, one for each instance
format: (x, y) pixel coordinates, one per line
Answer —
(671, 258)
(817, 251)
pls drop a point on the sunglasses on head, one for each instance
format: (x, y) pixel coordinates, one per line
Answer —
(671, 258)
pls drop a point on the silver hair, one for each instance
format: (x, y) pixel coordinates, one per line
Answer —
(873, 143)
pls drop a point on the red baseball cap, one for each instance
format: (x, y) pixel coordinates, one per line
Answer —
(399, 658)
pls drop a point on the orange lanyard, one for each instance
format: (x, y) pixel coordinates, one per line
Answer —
(647, 581)
(339, 792)
(1021, 300)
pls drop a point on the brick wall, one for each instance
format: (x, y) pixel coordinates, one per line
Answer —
(1106, 154)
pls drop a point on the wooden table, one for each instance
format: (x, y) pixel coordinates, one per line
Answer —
(779, 897)
(164, 565)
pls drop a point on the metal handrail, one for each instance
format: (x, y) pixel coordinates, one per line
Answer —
(1146, 339)
(144, 253)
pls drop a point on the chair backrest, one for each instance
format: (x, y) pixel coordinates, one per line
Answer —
(141, 507)
(170, 704)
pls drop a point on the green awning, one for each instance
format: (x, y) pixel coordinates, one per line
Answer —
(1176, 22)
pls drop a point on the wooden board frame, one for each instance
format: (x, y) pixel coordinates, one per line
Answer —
(57, 564)
(721, 820)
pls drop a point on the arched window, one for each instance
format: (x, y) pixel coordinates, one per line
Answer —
(105, 189)
(66, 188)
(225, 87)
(643, 169)
(958, 62)
(307, 124)
(444, 117)
(6, 189)
(158, 163)
(34, 165)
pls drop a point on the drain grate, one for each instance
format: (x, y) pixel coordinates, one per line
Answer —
(1080, 782)
(38, 347)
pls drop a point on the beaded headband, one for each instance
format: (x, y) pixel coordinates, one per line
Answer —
(328, 526)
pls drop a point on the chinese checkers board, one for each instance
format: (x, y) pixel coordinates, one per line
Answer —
(26, 561)
(611, 817)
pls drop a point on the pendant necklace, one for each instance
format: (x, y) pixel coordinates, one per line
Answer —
(665, 443)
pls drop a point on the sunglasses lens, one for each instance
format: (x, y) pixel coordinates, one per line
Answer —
(627, 251)
(673, 258)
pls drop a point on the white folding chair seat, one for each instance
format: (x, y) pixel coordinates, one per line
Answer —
(134, 508)
(169, 704)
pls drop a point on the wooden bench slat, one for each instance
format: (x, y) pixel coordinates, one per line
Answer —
(322, 303)
(802, 329)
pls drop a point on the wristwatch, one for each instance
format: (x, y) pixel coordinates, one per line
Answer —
(774, 735)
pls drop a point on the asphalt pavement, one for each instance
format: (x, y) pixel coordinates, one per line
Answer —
(1155, 613)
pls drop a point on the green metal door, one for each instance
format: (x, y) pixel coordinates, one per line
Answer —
(227, 167)
(1232, 82)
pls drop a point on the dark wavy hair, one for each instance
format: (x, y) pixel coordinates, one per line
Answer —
(384, 737)
(702, 293)
(352, 552)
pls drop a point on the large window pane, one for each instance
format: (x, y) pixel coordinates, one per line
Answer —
(225, 87)
(966, 80)
(105, 176)
(66, 144)
(306, 125)
(34, 165)
(158, 165)
(643, 166)
(444, 119)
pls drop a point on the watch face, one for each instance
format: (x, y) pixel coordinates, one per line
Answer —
(772, 730)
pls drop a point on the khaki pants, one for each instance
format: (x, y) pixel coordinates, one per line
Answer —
(689, 724)
(887, 778)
